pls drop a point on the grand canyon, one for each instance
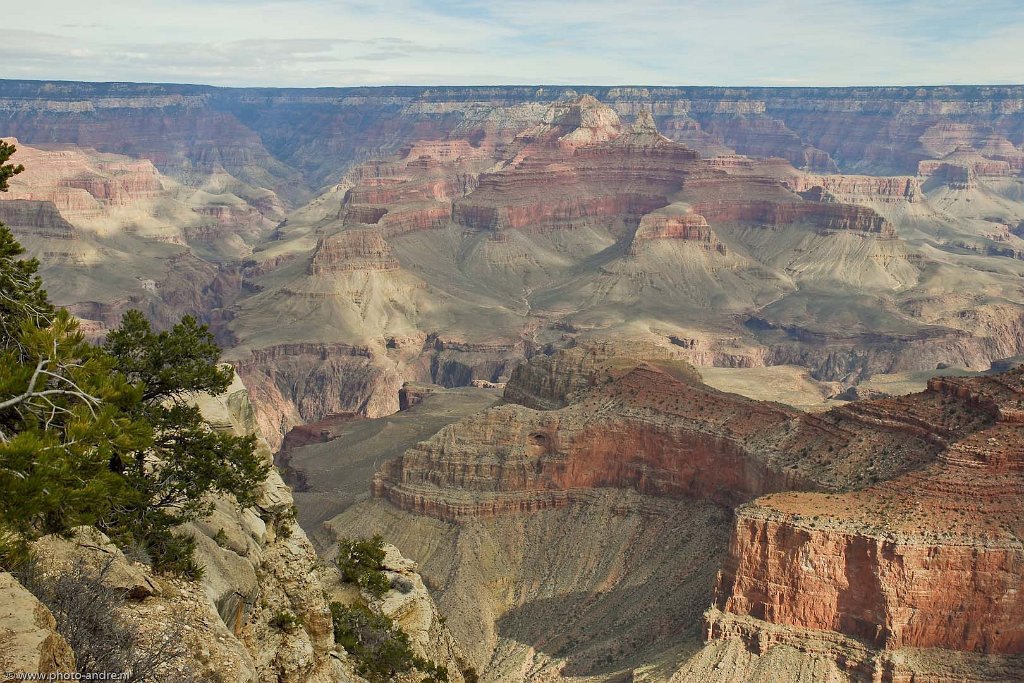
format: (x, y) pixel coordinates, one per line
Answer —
(637, 383)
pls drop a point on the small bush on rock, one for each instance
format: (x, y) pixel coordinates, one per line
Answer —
(361, 562)
(174, 554)
(284, 620)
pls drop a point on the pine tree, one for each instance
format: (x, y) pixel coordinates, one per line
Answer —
(7, 171)
(188, 460)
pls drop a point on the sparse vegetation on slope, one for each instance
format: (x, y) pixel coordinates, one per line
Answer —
(89, 614)
(381, 649)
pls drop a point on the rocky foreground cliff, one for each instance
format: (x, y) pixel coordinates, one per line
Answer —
(628, 520)
(258, 614)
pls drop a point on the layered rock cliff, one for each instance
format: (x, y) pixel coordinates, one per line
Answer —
(880, 130)
(927, 559)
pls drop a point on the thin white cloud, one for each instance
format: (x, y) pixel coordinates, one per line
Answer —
(655, 42)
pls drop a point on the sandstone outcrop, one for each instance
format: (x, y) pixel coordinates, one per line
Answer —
(691, 227)
(859, 187)
(99, 556)
(960, 168)
(258, 562)
(927, 559)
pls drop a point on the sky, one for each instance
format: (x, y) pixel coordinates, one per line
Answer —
(302, 43)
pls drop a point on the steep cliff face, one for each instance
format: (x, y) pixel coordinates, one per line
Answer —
(598, 419)
(672, 225)
(299, 383)
(643, 431)
(929, 559)
(890, 593)
(860, 187)
(266, 566)
(352, 250)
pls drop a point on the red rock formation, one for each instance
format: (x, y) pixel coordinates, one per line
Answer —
(80, 185)
(644, 431)
(352, 250)
(580, 166)
(889, 593)
(691, 227)
(960, 168)
(826, 217)
(232, 217)
(947, 137)
(544, 188)
(412, 394)
(929, 559)
(420, 216)
(562, 213)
